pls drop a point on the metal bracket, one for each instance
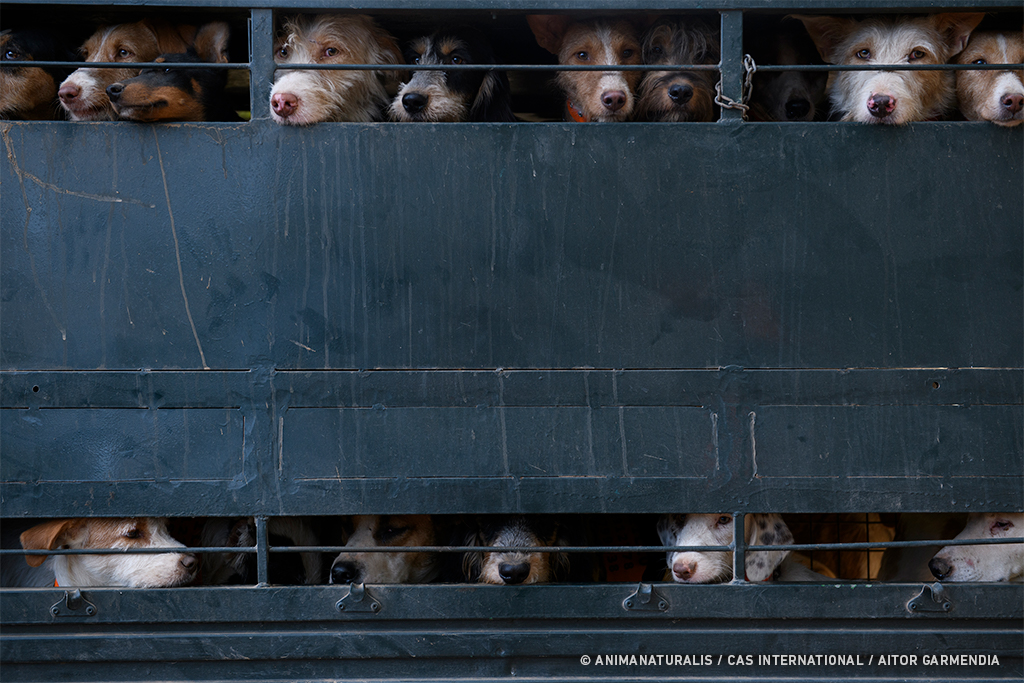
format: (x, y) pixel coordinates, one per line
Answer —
(932, 598)
(358, 600)
(73, 605)
(645, 599)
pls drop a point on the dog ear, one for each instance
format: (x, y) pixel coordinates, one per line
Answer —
(668, 527)
(46, 536)
(549, 29)
(493, 100)
(827, 33)
(765, 530)
(472, 563)
(211, 42)
(957, 27)
(388, 53)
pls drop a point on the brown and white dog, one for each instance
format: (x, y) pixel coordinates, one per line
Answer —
(984, 562)
(394, 531)
(83, 94)
(602, 96)
(996, 96)
(305, 97)
(512, 567)
(679, 95)
(891, 97)
(135, 571)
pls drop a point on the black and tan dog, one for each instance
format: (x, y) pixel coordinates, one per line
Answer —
(451, 96)
(29, 93)
(679, 95)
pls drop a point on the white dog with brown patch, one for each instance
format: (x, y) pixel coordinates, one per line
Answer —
(151, 570)
(891, 97)
(996, 96)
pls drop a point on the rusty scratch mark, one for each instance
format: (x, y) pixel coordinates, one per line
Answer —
(177, 251)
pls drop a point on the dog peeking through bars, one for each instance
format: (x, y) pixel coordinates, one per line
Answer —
(679, 96)
(514, 567)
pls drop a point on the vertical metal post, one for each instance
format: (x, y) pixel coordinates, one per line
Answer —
(262, 552)
(261, 61)
(732, 63)
(739, 544)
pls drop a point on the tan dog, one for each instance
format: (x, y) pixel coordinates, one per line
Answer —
(604, 96)
(679, 95)
(377, 531)
(136, 571)
(996, 96)
(891, 97)
(83, 94)
(305, 97)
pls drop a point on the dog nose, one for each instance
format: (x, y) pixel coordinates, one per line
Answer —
(1013, 102)
(940, 568)
(684, 571)
(680, 94)
(613, 100)
(797, 109)
(189, 562)
(68, 92)
(414, 102)
(284, 104)
(114, 91)
(344, 572)
(513, 574)
(881, 105)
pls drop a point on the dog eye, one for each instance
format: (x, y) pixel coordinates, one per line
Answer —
(864, 54)
(456, 59)
(416, 60)
(283, 52)
(582, 56)
(331, 52)
(393, 532)
(133, 534)
(1001, 524)
(626, 54)
(124, 53)
(916, 54)
(11, 54)
(980, 61)
(725, 519)
(657, 49)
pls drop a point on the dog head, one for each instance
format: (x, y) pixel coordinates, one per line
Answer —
(679, 95)
(891, 97)
(387, 531)
(30, 93)
(83, 94)
(136, 571)
(996, 96)
(786, 95)
(983, 562)
(604, 96)
(716, 566)
(305, 97)
(513, 567)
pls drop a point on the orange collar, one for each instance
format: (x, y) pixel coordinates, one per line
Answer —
(574, 114)
(55, 584)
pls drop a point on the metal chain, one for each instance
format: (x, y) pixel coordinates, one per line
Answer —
(749, 69)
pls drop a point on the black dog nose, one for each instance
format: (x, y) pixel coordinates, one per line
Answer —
(513, 574)
(680, 94)
(797, 109)
(940, 568)
(344, 572)
(414, 102)
(114, 90)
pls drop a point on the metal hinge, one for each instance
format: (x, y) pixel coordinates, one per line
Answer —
(645, 599)
(73, 605)
(932, 598)
(358, 600)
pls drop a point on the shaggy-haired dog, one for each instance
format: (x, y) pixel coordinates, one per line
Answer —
(679, 95)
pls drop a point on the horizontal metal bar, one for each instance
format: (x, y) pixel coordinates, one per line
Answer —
(126, 65)
(891, 67)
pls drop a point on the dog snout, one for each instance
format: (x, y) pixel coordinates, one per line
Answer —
(613, 100)
(414, 102)
(1012, 102)
(284, 104)
(684, 571)
(940, 568)
(345, 572)
(680, 93)
(69, 92)
(514, 573)
(114, 91)
(189, 562)
(797, 109)
(881, 105)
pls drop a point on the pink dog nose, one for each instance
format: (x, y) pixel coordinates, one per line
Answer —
(284, 104)
(1014, 102)
(613, 100)
(188, 561)
(683, 572)
(69, 92)
(881, 105)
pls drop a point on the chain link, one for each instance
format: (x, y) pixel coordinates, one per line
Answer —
(749, 69)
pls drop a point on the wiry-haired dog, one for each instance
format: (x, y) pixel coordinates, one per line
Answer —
(679, 95)
(996, 96)
(397, 531)
(514, 567)
(304, 97)
(891, 97)
(449, 96)
(83, 94)
(604, 96)
(30, 93)
(786, 95)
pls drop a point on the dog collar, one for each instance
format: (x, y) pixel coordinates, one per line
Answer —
(575, 114)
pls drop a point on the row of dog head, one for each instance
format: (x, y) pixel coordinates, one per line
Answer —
(501, 550)
(302, 97)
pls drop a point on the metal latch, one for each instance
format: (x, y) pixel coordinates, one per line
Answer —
(932, 598)
(73, 605)
(358, 600)
(645, 599)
